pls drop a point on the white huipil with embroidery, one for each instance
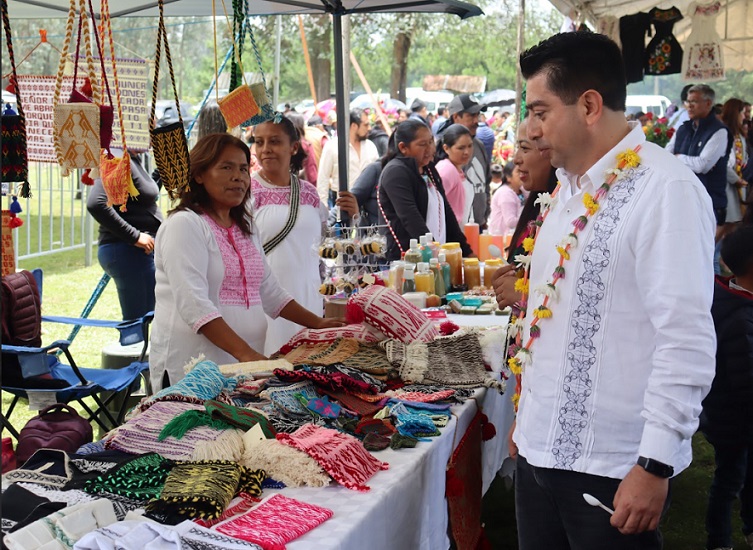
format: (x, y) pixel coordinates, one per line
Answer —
(622, 365)
(204, 271)
(295, 261)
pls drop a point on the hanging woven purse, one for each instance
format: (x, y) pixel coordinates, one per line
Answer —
(76, 132)
(258, 89)
(169, 142)
(15, 162)
(115, 172)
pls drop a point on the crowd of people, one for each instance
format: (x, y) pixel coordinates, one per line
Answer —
(621, 334)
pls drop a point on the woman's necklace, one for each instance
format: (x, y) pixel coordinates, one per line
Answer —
(270, 182)
(520, 355)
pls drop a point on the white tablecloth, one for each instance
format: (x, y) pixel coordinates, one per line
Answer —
(405, 507)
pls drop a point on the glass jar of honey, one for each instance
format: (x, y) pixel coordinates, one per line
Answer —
(471, 273)
(454, 257)
(490, 267)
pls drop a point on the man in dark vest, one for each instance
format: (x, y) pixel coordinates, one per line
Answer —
(703, 143)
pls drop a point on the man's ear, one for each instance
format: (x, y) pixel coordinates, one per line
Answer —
(592, 106)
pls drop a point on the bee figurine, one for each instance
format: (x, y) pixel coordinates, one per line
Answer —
(327, 289)
(347, 287)
(371, 247)
(328, 252)
(347, 247)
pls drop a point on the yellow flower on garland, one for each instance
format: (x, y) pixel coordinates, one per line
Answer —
(528, 244)
(521, 285)
(542, 312)
(591, 205)
(629, 159)
(564, 253)
(515, 366)
(515, 400)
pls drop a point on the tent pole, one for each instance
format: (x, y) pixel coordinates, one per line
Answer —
(518, 76)
(343, 115)
(307, 58)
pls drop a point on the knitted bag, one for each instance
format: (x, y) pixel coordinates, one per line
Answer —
(76, 129)
(169, 142)
(342, 456)
(362, 332)
(276, 521)
(204, 489)
(386, 310)
(15, 161)
(238, 106)
(324, 353)
(259, 89)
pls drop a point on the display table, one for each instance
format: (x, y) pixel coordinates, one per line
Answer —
(406, 506)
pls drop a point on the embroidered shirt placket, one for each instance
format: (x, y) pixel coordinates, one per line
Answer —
(231, 240)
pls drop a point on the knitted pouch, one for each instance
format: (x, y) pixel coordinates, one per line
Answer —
(363, 333)
(284, 463)
(370, 358)
(238, 106)
(342, 456)
(386, 310)
(324, 353)
(204, 489)
(275, 521)
(141, 478)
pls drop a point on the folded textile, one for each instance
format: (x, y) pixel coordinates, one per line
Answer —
(324, 353)
(141, 435)
(239, 505)
(204, 489)
(240, 417)
(342, 456)
(141, 534)
(370, 358)
(69, 497)
(283, 397)
(285, 463)
(375, 442)
(454, 361)
(60, 530)
(250, 368)
(187, 421)
(362, 332)
(89, 466)
(19, 504)
(122, 505)
(49, 467)
(326, 377)
(275, 521)
(140, 478)
(353, 403)
(421, 397)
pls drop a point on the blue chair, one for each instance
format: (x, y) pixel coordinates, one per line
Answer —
(41, 370)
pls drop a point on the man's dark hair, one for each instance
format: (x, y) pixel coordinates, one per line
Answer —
(440, 111)
(575, 62)
(355, 116)
(684, 92)
(737, 250)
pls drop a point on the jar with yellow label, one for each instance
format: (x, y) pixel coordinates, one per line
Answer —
(472, 273)
(454, 257)
(490, 267)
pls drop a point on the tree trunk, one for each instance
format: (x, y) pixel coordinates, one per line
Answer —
(399, 75)
(319, 33)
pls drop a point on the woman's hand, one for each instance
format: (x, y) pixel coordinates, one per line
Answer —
(504, 286)
(512, 448)
(347, 201)
(741, 183)
(146, 242)
(332, 322)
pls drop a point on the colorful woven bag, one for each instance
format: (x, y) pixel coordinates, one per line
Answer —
(169, 142)
(15, 162)
(258, 89)
(115, 172)
(238, 106)
(76, 131)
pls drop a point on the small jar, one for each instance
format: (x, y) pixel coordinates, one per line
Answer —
(454, 256)
(490, 267)
(471, 273)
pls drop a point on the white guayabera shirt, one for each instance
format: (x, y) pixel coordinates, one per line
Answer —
(622, 366)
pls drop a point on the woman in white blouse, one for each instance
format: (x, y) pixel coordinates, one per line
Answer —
(213, 282)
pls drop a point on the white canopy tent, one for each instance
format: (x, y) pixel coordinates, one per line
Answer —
(734, 24)
(45, 9)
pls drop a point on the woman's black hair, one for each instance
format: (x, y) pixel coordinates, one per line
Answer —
(405, 132)
(507, 172)
(296, 160)
(529, 214)
(203, 156)
(450, 137)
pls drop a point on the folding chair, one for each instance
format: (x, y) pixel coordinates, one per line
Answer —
(42, 373)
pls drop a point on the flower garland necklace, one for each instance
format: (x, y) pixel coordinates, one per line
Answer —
(520, 356)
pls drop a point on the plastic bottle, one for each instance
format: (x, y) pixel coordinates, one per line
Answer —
(445, 267)
(424, 279)
(472, 236)
(396, 276)
(413, 255)
(454, 257)
(409, 283)
(471, 273)
(484, 240)
(425, 247)
(439, 286)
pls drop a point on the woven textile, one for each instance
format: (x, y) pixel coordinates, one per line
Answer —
(120, 504)
(15, 163)
(386, 310)
(342, 456)
(250, 368)
(375, 442)
(49, 467)
(363, 333)
(204, 489)
(370, 358)
(239, 417)
(238, 106)
(464, 472)
(452, 361)
(116, 179)
(239, 505)
(323, 354)
(276, 521)
(204, 381)
(140, 478)
(284, 398)
(76, 132)
(285, 463)
(326, 377)
(354, 403)
(421, 397)
(141, 435)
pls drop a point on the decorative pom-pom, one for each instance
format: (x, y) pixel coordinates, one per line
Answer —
(448, 327)
(86, 177)
(15, 206)
(15, 222)
(454, 486)
(86, 89)
(353, 313)
(488, 431)
(25, 190)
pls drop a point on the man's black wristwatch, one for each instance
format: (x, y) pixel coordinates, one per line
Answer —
(655, 467)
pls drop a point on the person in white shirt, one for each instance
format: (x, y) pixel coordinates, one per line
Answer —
(620, 286)
(362, 152)
(679, 117)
